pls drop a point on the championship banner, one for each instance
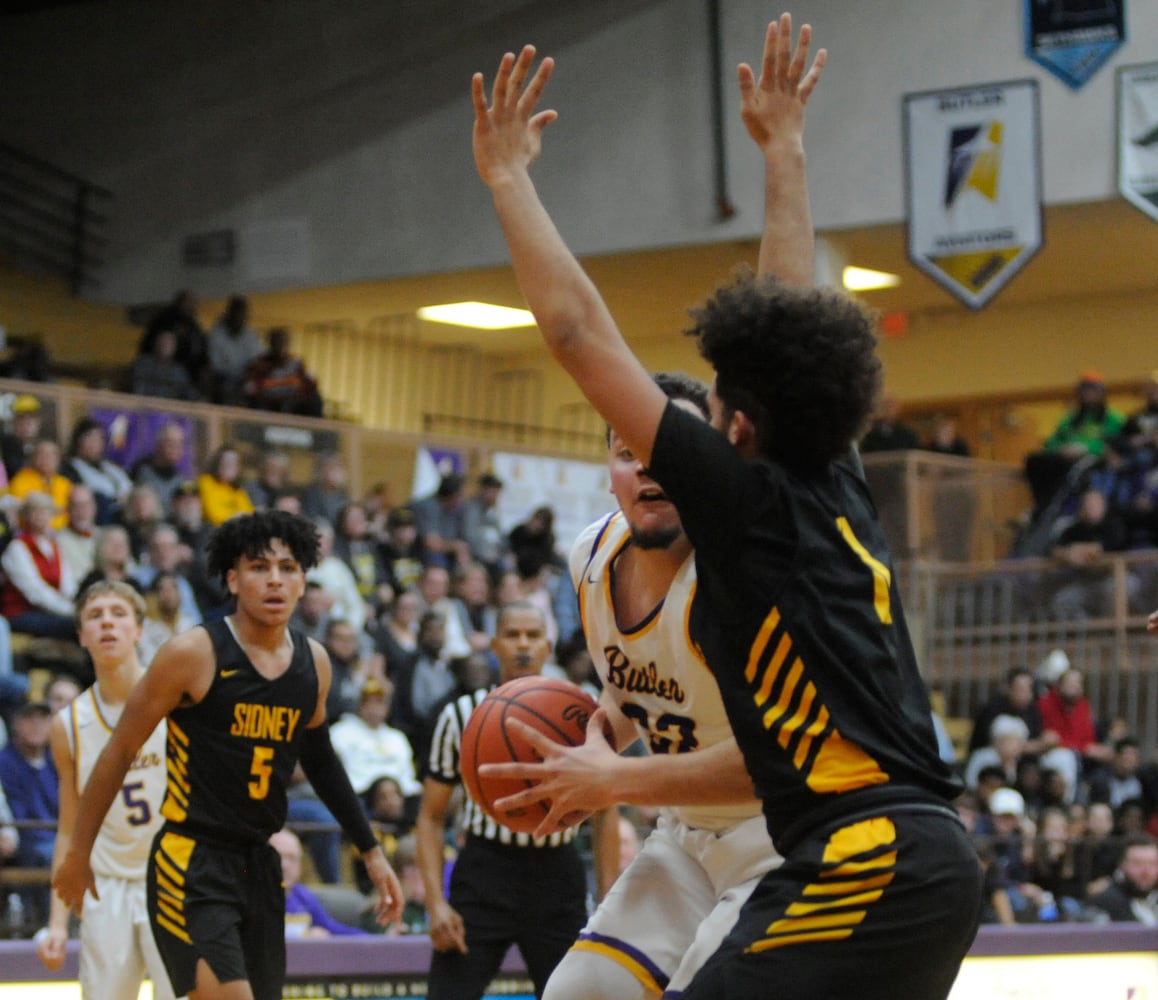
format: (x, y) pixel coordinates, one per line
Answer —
(1072, 38)
(973, 185)
(1138, 136)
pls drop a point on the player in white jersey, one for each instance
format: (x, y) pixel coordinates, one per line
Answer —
(634, 572)
(116, 940)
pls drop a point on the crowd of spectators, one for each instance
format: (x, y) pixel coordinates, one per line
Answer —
(404, 603)
(1061, 804)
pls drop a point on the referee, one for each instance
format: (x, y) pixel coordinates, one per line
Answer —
(506, 887)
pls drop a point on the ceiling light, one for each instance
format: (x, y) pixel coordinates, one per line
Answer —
(480, 315)
(864, 279)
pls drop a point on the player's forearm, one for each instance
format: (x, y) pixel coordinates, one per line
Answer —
(105, 781)
(428, 855)
(57, 911)
(567, 306)
(715, 776)
(787, 245)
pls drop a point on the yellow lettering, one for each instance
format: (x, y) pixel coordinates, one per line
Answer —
(265, 722)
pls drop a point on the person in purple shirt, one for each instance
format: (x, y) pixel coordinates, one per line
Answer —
(304, 914)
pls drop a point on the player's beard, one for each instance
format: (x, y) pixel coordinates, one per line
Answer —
(660, 538)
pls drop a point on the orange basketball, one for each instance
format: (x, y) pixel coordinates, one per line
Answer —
(558, 709)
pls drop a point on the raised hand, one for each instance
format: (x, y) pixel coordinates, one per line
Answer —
(508, 133)
(773, 106)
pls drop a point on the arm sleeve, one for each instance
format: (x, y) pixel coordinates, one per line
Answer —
(331, 783)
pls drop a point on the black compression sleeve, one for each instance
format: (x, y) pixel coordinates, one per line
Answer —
(332, 784)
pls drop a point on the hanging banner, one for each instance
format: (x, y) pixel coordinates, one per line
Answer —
(1138, 136)
(973, 185)
(1073, 38)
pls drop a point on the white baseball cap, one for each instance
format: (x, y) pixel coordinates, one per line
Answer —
(1006, 802)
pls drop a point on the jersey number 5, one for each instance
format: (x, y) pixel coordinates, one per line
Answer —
(137, 811)
(261, 769)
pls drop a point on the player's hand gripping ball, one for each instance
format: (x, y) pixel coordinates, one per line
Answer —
(557, 709)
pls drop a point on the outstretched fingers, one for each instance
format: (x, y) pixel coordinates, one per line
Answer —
(808, 84)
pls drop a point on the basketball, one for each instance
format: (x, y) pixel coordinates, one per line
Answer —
(558, 709)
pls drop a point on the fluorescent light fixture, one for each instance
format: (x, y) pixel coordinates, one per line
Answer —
(864, 279)
(480, 315)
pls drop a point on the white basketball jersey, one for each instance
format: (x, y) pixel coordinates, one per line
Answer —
(122, 846)
(654, 673)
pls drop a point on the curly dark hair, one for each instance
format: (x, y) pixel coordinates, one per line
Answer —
(800, 363)
(250, 536)
(677, 385)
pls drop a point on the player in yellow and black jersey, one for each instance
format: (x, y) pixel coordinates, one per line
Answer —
(796, 608)
(245, 700)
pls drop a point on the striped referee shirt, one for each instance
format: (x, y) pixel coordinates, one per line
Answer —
(444, 767)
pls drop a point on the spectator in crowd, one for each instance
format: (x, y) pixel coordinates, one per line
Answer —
(338, 581)
(160, 372)
(326, 495)
(13, 686)
(42, 475)
(536, 536)
(422, 682)
(1017, 697)
(165, 615)
(486, 541)
(472, 597)
(434, 589)
(1066, 711)
(369, 748)
(193, 534)
(61, 691)
(403, 550)
(1080, 433)
(539, 583)
(77, 539)
(272, 479)
(180, 316)
(324, 841)
(233, 345)
(1013, 846)
(1120, 781)
(1141, 426)
(354, 545)
(29, 780)
(1101, 848)
(163, 554)
(1008, 736)
(312, 615)
(1132, 896)
(9, 835)
(140, 515)
(397, 633)
(1057, 869)
(351, 668)
(278, 380)
(88, 464)
(163, 469)
(888, 432)
(305, 916)
(1083, 585)
(25, 430)
(573, 663)
(441, 522)
(114, 559)
(37, 590)
(222, 495)
(946, 441)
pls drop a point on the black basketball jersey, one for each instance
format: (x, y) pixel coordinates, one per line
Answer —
(797, 614)
(231, 756)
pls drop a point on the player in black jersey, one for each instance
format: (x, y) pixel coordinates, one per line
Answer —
(796, 608)
(245, 700)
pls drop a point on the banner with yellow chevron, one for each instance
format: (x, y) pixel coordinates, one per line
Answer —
(973, 185)
(1138, 136)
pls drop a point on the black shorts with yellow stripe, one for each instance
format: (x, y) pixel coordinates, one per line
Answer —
(221, 903)
(877, 908)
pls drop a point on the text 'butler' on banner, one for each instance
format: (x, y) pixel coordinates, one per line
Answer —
(1138, 136)
(973, 185)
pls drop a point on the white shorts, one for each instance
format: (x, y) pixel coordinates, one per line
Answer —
(117, 950)
(675, 902)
